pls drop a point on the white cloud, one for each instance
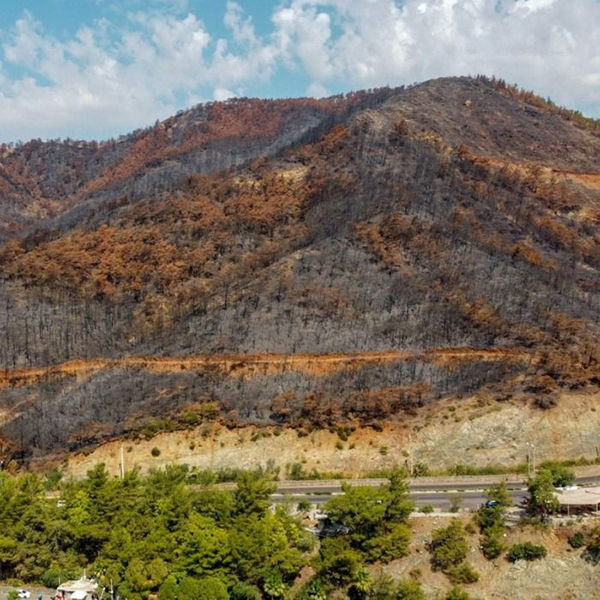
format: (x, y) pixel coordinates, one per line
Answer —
(112, 77)
(552, 46)
(221, 94)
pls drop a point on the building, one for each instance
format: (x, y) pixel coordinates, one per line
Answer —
(579, 499)
(82, 589)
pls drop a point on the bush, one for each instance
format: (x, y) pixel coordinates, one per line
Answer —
(526, 551)
(420, 469)
(306, 542)
(427, 509)
(456, 593)
(463, 573)
(492, 545)
(244, 591)
(313, 590)
(577, 540)
(593, 546)
(155, 452)
(304, 505)
(409, 590)
(456, 500)
(448, 546)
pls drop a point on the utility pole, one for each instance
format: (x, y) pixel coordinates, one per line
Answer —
(410, 455)
(530, 459)
(122, 464)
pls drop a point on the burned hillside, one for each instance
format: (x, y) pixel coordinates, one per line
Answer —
(442, 239)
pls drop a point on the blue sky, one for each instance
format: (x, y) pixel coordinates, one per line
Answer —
(99, 68)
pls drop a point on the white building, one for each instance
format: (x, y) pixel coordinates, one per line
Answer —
(82, 589)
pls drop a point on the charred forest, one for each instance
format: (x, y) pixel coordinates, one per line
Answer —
(306, 263)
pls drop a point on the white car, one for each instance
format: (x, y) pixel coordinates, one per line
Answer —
(23, 594)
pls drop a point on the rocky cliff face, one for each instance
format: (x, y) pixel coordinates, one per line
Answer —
(386, 251)
(474, 432)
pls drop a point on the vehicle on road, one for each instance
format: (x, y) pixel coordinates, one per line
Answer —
(23, 594)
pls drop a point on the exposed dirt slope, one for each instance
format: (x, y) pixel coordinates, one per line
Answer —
(476, 432)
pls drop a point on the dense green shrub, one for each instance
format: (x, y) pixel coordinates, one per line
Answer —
(492, 544)
(593, 546)
(448, 546)
(456, 593)
(244, 591)
(427, 509)
(526, 551)
(409, 590)
(577, 540)
(456, 501)
(313, 590)
(463, 573)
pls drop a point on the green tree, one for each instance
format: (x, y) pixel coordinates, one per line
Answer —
(400, 504)
(213, 588)
(339, 564)
(562, 476)
(448, 546)
(499, 493)
(252, 495)
(168, 590)
(542, 499)
(375, 518)
(204, 546)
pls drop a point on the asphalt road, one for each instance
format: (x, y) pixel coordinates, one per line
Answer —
(442, 488)
(441, 500)
(436, 494)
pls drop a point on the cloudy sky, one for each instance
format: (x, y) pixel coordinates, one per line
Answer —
(99, 68)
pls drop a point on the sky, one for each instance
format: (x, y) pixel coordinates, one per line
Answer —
(94, 69)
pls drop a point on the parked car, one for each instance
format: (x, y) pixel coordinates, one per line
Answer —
(23, 594)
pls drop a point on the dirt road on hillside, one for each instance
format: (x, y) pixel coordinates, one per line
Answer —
(252, 364)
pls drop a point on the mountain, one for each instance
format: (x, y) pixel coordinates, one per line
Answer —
(311, 263)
